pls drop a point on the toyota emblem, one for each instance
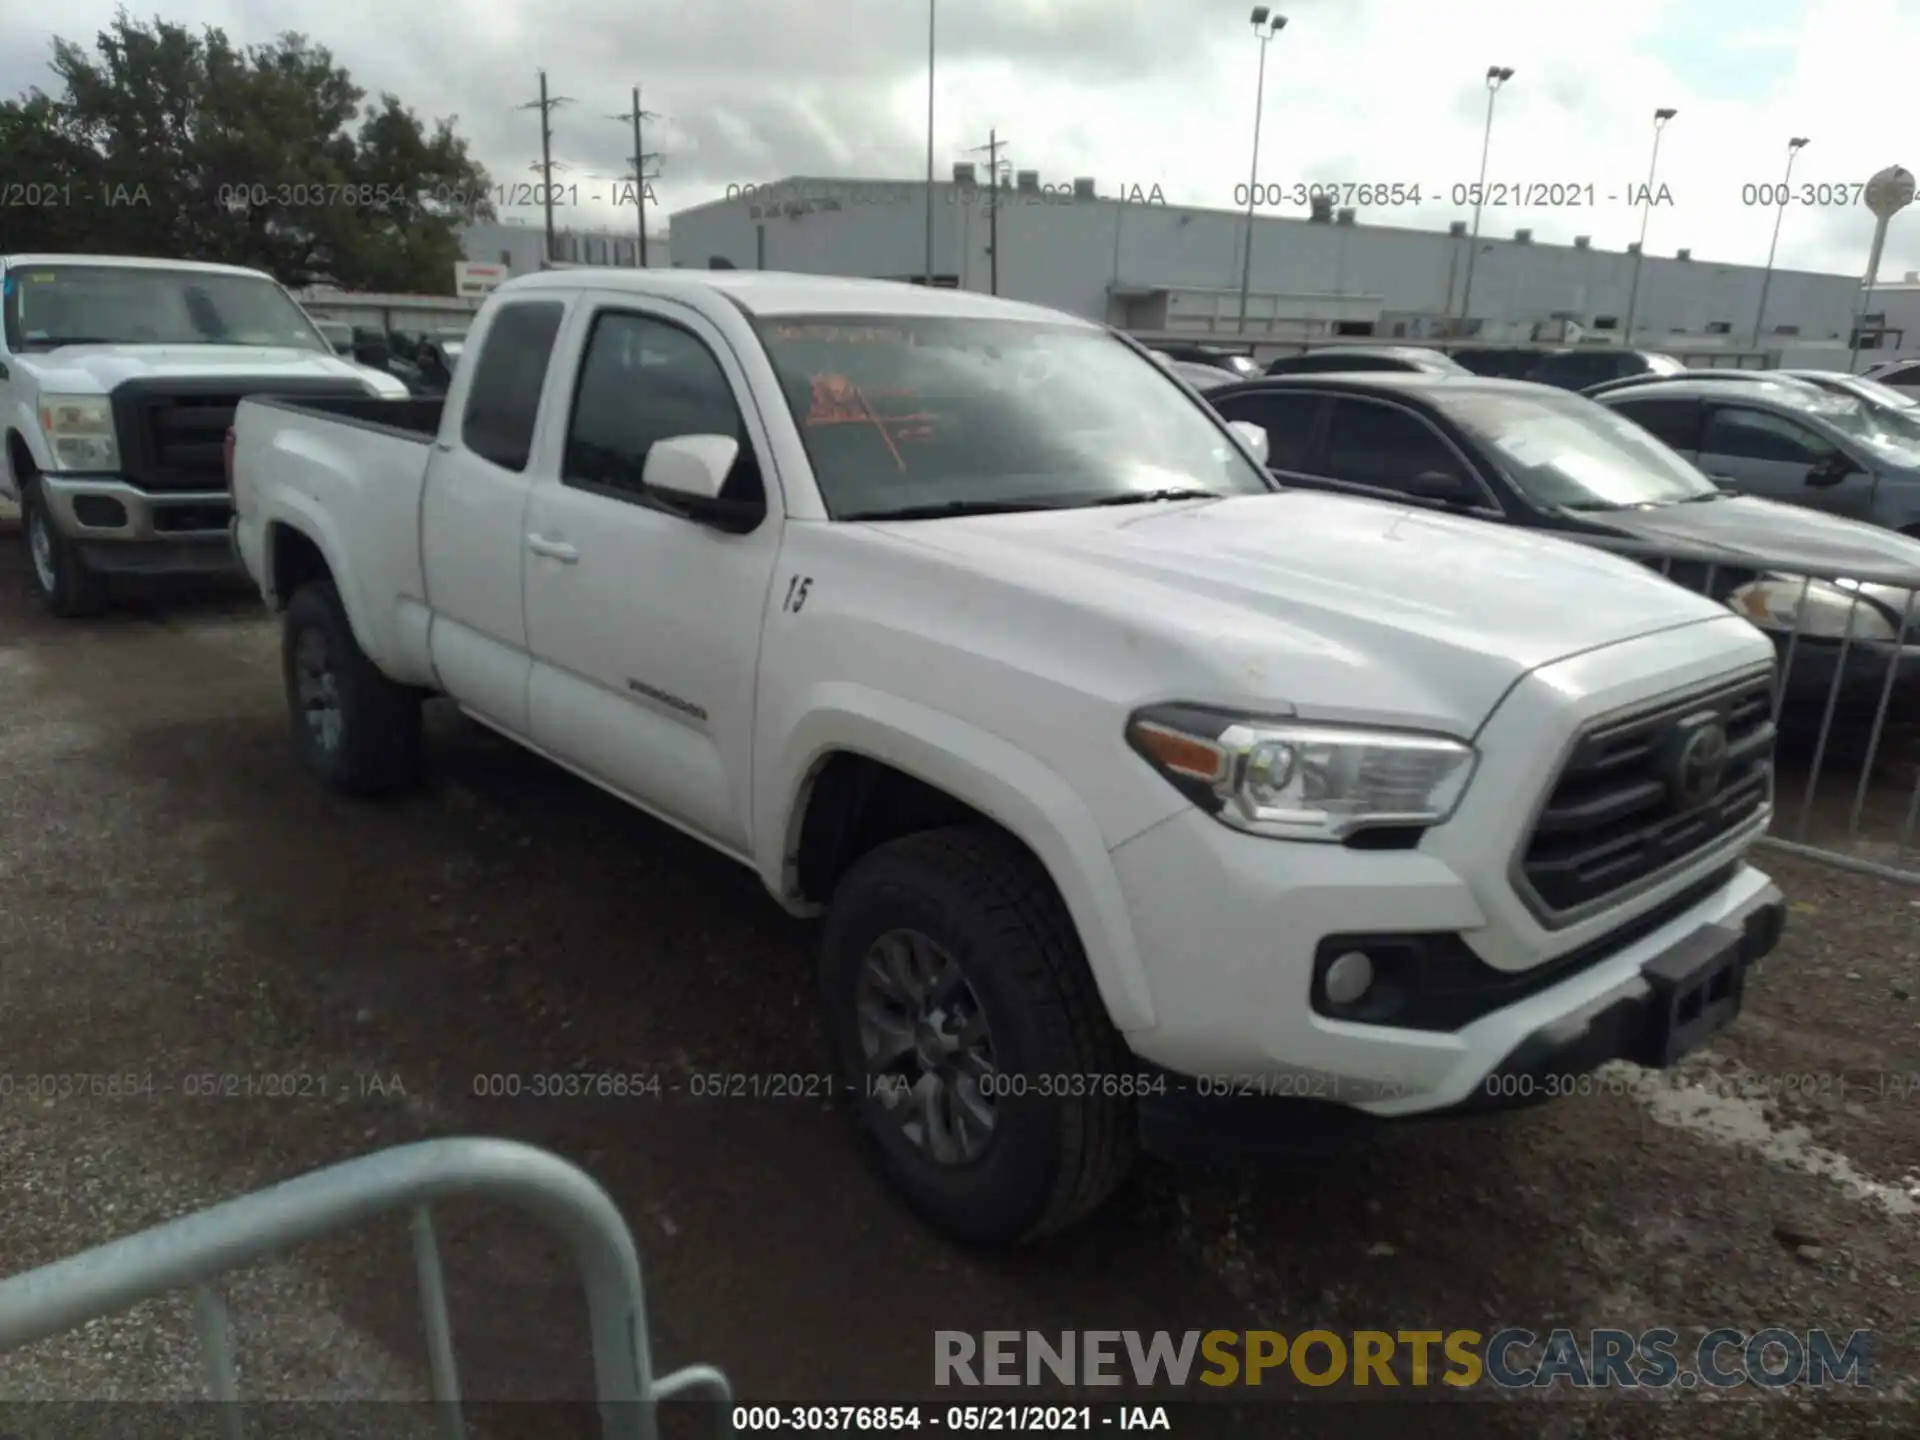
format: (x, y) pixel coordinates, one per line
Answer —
(1700, 766)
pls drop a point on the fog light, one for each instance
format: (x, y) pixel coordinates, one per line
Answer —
(99, 512)
(1349, 978)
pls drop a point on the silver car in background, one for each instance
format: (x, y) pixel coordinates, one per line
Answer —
(1789, 441)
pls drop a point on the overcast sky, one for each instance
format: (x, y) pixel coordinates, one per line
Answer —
(1158, 92)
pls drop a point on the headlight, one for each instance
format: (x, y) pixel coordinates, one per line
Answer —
(1825, 610)
(1296, 781)
(79, 431)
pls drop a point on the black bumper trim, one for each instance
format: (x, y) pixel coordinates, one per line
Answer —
(1651, 1019)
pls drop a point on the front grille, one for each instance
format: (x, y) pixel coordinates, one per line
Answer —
(172, 428)
(1618, 816)
(185, 434)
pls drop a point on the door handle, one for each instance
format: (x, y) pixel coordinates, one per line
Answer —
(553, 549)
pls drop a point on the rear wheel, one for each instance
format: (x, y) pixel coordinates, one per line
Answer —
(355, 729)
(61, 578)
(984, 1072)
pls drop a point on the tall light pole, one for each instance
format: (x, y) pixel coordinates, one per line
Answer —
(1266, 25)
(929, 270)
(1794, 146)
(1660, 119)
(1497, 75)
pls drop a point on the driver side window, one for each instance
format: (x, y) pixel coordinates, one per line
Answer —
(1387, 448)
(644, 380)
(1742, 434)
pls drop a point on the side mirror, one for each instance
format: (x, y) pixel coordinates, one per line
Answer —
(690, 467)
(1825, 474)
(1253, 436)
(1442, 485)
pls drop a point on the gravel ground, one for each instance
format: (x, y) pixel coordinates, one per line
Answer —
(180, 901)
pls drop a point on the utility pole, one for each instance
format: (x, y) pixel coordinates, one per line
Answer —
(546, 105)
(993, 147)
(639, 162)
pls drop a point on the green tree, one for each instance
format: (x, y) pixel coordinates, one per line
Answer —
(165, 142)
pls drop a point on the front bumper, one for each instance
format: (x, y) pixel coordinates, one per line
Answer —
(123, 529)
(1668, 1003)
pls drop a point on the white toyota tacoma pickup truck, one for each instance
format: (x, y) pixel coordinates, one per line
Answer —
(118, 379)
(1145, 801)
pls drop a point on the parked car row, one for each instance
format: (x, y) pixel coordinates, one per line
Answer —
(1684, 464)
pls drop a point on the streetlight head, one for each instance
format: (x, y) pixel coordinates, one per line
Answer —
(1279, 24)
(1664, 114)
(1796, 142)
(1498, 75)
(1260, 13)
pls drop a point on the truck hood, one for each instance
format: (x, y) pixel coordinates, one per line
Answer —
(97, 369)
(1762, 534)
(1312, 599)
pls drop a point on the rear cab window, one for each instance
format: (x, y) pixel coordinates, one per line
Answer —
(503, 402)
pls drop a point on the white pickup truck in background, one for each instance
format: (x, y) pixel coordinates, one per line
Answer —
(118, 381)
(1144, 800)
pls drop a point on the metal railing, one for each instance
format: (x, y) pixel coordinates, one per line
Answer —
(190, 1253)
(1847, 700)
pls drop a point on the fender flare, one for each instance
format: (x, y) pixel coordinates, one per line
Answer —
(1002, 781)
(31, 437)
(293, 511)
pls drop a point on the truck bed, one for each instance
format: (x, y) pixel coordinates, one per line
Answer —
(415, 418)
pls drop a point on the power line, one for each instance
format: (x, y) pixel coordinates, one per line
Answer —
(546, 105)
(638, 160)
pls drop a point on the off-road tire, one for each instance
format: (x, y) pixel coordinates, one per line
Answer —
(377, 748)
(989, 903)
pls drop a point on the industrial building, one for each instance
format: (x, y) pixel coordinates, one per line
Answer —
(1161, 269)
(520, 247)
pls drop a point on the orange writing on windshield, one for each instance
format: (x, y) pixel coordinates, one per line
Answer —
(846, 334)
(838, 401)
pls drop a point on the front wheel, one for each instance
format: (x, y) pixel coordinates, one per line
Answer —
(984, 1072)
(61, 578)
(354, 728)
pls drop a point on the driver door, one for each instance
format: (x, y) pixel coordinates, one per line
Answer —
(1772, 456)
(644, 625)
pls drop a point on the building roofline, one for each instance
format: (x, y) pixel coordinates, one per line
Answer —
(798, 185)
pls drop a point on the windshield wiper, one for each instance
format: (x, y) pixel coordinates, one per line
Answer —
(947, 509)
(1720, 494)
(1149, 497)
(61, 341)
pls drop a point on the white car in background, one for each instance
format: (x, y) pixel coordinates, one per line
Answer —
(1900, 375)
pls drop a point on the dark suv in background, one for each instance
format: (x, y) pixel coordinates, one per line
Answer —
(1568, 368)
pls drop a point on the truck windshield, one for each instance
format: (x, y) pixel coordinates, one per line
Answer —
(1565, 451)
(921, 415)
(48, 306)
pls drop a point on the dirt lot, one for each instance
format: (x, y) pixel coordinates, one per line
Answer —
(176, 900)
